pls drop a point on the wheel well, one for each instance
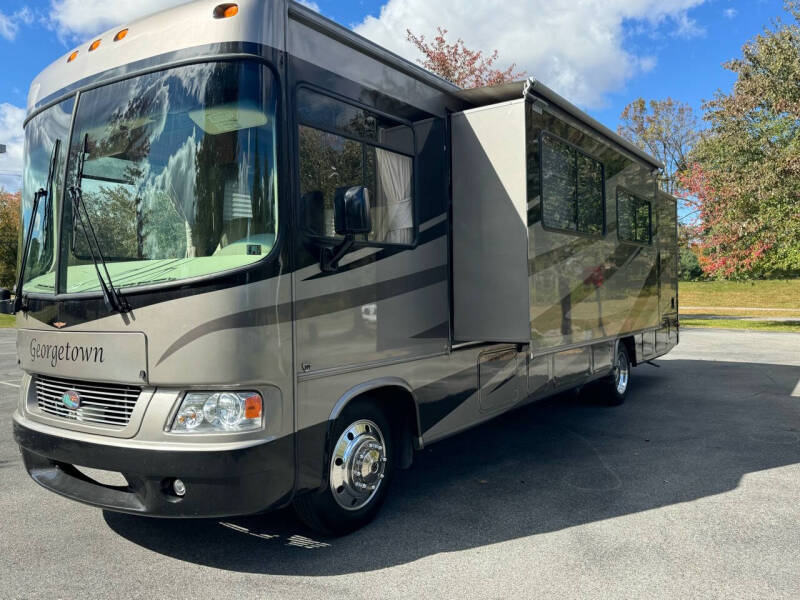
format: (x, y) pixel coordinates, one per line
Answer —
(630, 346)
(400, 408)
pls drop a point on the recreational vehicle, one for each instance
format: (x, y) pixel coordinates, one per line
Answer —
(265, 261)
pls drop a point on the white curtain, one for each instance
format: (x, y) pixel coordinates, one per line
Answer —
(393, 222)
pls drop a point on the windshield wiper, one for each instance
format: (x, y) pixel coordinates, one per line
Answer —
(41, 193)
(113, 299)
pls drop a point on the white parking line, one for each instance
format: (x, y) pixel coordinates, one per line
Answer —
(9, 384)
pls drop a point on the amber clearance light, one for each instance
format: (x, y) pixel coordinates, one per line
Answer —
(72, 56)
(226, 11)
(95, 45)
(121, 35)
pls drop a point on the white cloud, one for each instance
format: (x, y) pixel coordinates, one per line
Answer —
(577, 48)
(647, 63)
(686, 27)
(11, 135)
(83, 18)
(9, 24)
(730, 13)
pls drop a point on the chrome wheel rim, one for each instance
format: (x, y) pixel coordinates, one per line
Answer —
(622, 373)
(358, 465)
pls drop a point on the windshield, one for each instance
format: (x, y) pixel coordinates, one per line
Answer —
(179, 176)
(41, 135)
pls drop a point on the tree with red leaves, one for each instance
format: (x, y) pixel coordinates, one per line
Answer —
(745, 177)
(458, 64)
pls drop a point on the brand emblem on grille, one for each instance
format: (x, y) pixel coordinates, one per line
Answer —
(71, 399)
(59, 325)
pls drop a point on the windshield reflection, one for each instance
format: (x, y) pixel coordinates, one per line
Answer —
(41, 135)
(179, 178)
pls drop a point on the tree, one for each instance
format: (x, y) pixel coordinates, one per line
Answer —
(689, 268)
(9, 236)
(667, 129)
(458, 64)
(745, 176)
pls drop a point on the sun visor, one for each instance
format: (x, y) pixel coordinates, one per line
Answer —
(226, 118)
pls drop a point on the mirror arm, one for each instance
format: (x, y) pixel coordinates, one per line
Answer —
(330, 257)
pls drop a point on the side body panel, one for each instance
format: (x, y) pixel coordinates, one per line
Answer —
(386, 310)
(587, 288)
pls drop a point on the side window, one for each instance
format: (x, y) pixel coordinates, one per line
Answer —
(342, 146)
(572, 188)
(634, 218)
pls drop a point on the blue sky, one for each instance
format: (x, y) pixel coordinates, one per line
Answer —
(601, 54)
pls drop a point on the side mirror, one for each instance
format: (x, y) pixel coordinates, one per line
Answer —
(350, 218)
(351, 211)
(6, 303)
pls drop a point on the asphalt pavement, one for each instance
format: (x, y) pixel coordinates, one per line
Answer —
(691, 489)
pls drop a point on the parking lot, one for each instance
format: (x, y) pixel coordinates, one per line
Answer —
(690, 489)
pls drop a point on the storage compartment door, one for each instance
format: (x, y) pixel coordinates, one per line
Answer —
(500, 378)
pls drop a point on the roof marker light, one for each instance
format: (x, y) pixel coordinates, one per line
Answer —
(72, 56)
(95, 45)
(226, 11)
(121, 35)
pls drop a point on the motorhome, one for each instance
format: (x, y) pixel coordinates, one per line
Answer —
(266, 260)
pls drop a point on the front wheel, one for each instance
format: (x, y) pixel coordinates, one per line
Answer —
(360, 468)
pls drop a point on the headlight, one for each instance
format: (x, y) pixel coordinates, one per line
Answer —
(219, 412)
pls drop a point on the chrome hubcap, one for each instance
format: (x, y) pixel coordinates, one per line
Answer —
(622, 373)
(358, 465)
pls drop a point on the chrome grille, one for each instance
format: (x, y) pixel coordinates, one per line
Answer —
(102, 404)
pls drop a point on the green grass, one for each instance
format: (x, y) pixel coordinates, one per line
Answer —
(7, 321)
(748, 294)
(779, 326)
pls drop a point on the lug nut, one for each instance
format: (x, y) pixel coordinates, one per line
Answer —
(179, 488)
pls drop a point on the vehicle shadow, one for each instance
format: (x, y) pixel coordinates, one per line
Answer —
(689, 430)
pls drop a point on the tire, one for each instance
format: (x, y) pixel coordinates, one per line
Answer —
(348, 502)
(615, 386)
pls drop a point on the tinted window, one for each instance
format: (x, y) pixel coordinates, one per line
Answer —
(634, 217)
(572, 188)
(324, 112)
(341, 146)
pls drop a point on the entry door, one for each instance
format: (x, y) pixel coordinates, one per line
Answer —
(668, 253)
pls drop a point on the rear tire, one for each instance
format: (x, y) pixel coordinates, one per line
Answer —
(615, 386)
(360, 466)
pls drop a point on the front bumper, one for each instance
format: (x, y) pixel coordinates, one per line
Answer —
(219, 483)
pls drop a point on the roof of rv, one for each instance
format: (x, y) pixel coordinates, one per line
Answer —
(534, 89)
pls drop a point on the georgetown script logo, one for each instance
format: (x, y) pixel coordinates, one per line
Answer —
(56, 353)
